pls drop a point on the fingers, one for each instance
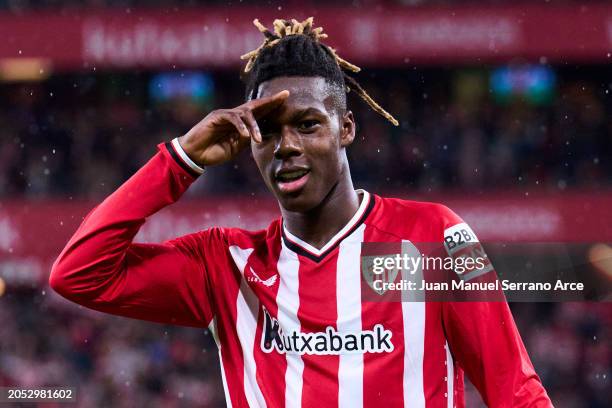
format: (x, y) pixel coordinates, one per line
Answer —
(249, 119)
(234, 119)
(263, 106)
(243, 121)
(243, 118)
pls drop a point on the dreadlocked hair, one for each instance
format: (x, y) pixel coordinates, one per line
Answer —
(294, 49)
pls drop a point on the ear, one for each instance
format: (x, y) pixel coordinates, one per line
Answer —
(347, 130)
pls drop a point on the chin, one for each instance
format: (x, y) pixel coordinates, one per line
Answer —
(297, 204)
(300, 203)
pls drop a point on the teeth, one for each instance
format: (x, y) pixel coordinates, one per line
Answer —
(292, 175)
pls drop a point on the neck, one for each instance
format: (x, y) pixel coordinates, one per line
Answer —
(320, 224)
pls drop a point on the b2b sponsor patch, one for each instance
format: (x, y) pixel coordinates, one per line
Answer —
(457, 237)
(463, 246)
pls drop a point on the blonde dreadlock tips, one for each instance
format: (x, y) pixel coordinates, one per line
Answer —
(285, 28)
(259, 26)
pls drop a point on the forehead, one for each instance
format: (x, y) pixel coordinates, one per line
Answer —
(303, 92)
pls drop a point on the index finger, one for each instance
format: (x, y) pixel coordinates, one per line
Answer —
(261, 106)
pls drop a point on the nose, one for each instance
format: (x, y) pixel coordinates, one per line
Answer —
(288, 144)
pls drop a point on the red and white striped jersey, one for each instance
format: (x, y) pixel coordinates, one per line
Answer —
(289, 319)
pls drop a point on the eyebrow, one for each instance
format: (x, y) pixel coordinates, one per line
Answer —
(305, 112)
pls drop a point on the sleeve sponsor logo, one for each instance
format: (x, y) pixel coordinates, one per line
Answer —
(457, 237)
(462, 245)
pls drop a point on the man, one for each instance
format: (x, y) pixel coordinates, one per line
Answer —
(285, 304)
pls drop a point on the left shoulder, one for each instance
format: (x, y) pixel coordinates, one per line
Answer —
(426, 220)
(424, 210)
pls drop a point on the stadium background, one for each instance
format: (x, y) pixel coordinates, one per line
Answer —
(506, 116)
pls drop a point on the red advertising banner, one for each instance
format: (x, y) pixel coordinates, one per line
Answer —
(216, 37)
(32, 233)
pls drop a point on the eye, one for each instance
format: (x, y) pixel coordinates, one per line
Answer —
(267, 129)
(306, 125)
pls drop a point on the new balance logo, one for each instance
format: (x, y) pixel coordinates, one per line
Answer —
(255, 278)
(377, 340)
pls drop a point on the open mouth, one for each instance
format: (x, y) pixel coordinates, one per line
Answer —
(292, 180)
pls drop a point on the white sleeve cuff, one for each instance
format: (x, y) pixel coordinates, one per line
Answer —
(179, 150)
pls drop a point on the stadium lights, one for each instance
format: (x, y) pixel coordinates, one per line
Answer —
(24, 69)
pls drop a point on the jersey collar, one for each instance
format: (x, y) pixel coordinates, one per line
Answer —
(304, 248)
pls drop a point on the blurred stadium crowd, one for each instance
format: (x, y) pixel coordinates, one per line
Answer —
(120, 362)
(110, 361)
(82, 135)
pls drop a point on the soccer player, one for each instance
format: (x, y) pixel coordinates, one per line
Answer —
(285, 304)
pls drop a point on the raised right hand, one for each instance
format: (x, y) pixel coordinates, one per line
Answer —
(223, 133)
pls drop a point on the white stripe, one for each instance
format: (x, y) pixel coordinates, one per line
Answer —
(348, 296)
(413, 316)
(288, 302)
(247, 307)
(450, 378)
(179, 150)
(212, 326)
(362, 207)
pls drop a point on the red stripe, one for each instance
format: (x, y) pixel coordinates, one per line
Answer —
(382, 373)
(459, 397)
(317, 311)
(434, 358)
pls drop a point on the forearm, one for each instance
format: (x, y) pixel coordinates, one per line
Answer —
(96, 252)
(484, 339)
